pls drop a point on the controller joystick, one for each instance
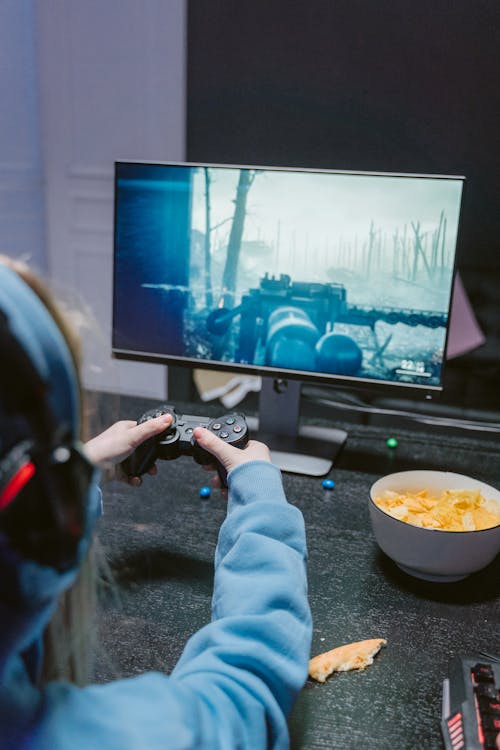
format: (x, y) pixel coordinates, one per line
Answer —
(178, 440)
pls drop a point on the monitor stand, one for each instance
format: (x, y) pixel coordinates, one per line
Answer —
(305, 449)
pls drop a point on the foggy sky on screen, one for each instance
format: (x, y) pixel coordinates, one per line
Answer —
(320, 207)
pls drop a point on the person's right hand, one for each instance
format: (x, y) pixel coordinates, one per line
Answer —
(120, 440)
(228, 455)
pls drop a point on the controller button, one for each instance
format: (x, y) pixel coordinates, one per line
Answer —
(216, 426)
(189, 430)
(230, 420)
(237, 428)
(224, 434)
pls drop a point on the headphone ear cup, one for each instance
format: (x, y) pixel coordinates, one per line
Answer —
(16, 470)
(45, 479)
(44, 503)
(21, 501)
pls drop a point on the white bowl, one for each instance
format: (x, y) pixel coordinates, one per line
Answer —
(433, 554)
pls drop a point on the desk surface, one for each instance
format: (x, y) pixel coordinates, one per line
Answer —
(160, 541)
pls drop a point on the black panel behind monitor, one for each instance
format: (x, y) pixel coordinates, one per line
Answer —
(384, 86)
(321, 276)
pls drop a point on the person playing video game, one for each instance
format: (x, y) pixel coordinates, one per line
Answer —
(237, 679)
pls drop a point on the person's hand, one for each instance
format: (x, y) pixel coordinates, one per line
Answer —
(121, 439)
(228, 455)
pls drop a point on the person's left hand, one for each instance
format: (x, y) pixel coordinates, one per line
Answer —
(121, 439)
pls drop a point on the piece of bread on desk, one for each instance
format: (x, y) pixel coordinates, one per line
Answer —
(357, 655)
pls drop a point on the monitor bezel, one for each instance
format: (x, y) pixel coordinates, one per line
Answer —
(335, 380)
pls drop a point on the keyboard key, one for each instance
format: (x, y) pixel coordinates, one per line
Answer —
(490, 741)
(483, 673)
(487, 690)
(488, 706)
(490, 723)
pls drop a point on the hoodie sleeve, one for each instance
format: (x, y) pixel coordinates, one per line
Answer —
(238, 676)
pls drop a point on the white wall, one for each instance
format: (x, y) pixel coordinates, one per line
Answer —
(83, 84)
(112, 86)
(21, 198)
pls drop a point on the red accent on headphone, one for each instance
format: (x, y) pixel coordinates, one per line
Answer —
(18, 481)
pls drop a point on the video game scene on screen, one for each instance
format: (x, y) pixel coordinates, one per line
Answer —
(346, 274)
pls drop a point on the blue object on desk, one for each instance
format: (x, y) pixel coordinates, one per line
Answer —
(328, 484)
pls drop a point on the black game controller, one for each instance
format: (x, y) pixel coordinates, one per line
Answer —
(177, 440)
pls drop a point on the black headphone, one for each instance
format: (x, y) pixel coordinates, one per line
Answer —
(49, 499)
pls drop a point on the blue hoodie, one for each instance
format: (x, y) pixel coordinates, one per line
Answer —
(238, 676)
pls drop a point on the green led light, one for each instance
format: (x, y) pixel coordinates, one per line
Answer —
(392, 443)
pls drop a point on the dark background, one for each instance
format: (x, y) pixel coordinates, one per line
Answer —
(352, 84)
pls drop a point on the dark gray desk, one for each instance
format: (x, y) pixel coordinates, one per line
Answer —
(160, 540)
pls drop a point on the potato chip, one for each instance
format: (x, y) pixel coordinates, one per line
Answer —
(449, 510)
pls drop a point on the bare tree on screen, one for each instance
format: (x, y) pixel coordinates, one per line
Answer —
(208, 230)
(229, 276)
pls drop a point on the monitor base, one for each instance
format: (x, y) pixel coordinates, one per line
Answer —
(311, 452)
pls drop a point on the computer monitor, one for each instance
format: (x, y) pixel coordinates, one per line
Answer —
(296, 275)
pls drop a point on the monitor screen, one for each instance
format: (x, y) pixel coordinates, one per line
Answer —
(332, 276)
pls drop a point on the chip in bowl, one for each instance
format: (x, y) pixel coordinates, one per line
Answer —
(448, 510)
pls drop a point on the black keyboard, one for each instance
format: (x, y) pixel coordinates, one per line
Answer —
(471, 703)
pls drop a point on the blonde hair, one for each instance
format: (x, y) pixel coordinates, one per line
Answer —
(69, 637)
